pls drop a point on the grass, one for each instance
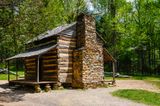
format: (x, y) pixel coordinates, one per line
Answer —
(141, 96)
(12, 77)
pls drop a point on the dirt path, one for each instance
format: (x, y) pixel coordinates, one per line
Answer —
(90, 97)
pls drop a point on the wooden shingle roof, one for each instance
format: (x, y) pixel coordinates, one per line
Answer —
(34, 52)
(68, 29)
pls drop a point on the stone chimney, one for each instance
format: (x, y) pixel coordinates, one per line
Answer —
(88, 57)
(85, 28)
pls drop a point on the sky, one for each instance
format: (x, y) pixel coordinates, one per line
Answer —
(129, 0)
(89, 5)
(91, 8)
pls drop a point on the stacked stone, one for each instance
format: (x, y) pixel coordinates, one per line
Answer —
(92, 69)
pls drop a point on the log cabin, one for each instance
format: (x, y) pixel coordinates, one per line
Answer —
(71, 54)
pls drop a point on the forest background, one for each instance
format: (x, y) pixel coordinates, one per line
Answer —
(131, 28)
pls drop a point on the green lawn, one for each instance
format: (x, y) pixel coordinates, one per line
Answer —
(12, 77)
(13, 69)
(141, 96)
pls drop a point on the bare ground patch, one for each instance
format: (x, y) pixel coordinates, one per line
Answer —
(90, 97)
(136, 84)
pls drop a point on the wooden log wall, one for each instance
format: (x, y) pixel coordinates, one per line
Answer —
(30, 68)
(44, 42)
(66, 45)
(48, 62)
(49, 67)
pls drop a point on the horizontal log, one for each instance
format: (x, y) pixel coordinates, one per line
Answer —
(64, 60)
(41, 43)
(65, 50)
(66, 46)
(49, 77)
(66, 41)
(45, 43)
(49, 65)
(65, 68)
(30, 60)
(50, 62)
(31, 67)
(50, 68)
(64, 54)
(49, 71)
(70, 57)
(46, 61)
(65, 65)
(30, 64)
(67, 38)
(50, 57)
(66, 57)
(63, 47)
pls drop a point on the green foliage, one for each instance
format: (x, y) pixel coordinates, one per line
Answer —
(131, 29)
(142, 96)
(29, 18)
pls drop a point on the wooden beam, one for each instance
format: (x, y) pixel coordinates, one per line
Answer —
(66, 46)
(114, 71)
(49, 65)
(49, 71)
(67, 42)
(38, 69)
(67, 39)
(16, 70)
(30, 64)
(30, 60)
(48, 61)
(49, 57)
(8, 71)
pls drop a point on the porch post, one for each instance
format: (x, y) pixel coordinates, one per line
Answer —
(38, 69)
(8, 71)
(114, 71)
(16, 70)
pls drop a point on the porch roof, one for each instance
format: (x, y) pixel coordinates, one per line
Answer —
(35, 52)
